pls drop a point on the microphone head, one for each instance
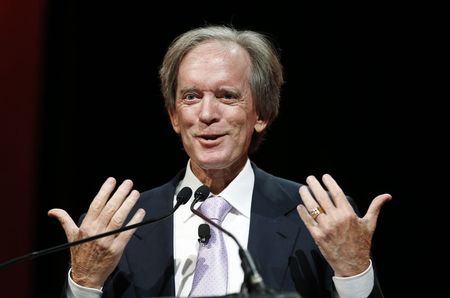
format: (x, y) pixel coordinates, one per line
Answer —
(184, 195)
(204, 233)
(201, 193)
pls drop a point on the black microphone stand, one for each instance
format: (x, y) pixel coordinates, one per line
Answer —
(182, 198)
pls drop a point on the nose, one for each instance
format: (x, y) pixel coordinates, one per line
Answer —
(209, 109)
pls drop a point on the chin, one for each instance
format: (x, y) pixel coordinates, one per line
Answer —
(213, 162)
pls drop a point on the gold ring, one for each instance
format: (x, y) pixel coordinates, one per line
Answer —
(316, 211)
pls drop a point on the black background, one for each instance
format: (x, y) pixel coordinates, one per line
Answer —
(348, 108)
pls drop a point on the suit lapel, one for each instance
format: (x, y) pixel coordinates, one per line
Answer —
(274, 228)
(154, 263)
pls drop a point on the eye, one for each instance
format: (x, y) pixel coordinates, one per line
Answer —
(229, 95)
(190, 96)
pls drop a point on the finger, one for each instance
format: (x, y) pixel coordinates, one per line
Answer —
(337, 194)
(320, 194)
(120, 216)
(98, 203)
(115, 202)
(374, 210)
(69, 226)
(305, 216)
(310, 223)
(122, 239)
(307, 197)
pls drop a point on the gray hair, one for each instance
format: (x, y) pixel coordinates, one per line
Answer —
(266, 70)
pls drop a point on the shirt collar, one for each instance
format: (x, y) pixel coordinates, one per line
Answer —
(238, 193)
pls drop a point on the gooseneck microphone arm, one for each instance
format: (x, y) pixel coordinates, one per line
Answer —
(183, 197)
(252, 279)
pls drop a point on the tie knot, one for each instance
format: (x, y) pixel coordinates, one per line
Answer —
(215, 208)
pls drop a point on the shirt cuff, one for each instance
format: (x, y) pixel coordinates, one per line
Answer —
(356, 286)
(76, 291)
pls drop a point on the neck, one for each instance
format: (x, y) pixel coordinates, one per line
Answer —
(218, 179)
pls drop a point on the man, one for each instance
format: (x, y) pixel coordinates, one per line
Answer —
(222, 89)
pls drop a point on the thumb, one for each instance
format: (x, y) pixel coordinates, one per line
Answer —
(374, 210)
(69, 226)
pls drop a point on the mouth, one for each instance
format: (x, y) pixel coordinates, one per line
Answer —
(207, 137)
(210, 139)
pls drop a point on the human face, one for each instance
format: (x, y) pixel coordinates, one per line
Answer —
(215, 110)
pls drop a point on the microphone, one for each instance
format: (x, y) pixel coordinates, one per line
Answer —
(204, 233)
(183, 197)
(253, 281)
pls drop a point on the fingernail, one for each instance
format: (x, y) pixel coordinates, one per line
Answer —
(141, 212)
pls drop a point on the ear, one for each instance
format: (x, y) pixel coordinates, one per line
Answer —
(174, 120)
(260, 125)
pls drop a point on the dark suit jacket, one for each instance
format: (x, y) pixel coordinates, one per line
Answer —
(282, 247)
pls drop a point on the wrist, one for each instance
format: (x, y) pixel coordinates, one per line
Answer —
(352, 269)
(84, 280)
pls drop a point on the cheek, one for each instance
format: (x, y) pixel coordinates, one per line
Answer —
(185, 119)
(245, 129)
(249, 133)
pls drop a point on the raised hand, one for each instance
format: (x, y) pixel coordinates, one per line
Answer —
(92, 262)
(343, 238)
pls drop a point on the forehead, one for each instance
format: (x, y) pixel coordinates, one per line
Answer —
(216, 59)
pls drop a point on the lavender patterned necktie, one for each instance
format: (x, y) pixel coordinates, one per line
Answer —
(211, 271)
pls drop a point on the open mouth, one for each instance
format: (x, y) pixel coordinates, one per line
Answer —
(210, 137)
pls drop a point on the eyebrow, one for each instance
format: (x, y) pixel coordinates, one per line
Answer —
(235, 91)
(222, 89)
(184, 90)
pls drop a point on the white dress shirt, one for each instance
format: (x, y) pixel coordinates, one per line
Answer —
(239, 194)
